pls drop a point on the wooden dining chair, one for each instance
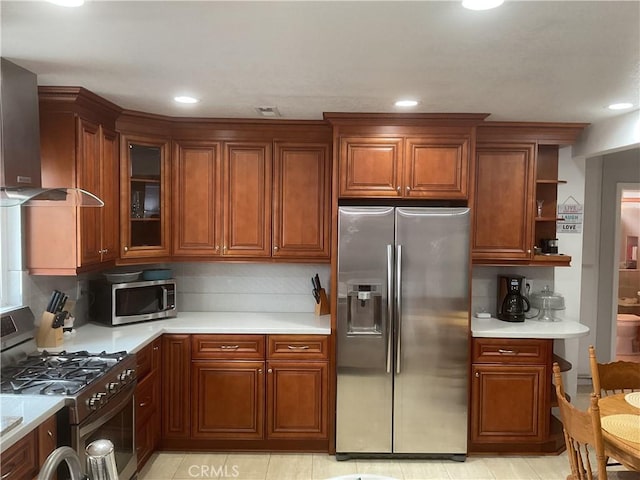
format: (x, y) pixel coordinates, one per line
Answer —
(614, 377)
(583, 438)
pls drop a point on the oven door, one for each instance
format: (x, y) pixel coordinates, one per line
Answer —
(115, 422)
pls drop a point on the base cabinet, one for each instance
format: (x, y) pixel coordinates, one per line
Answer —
(23, 459)
(147, 398)
(511, 397)
(246, 392)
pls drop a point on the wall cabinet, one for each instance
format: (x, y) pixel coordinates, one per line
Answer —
(516, 165)
(79, 148)
(428, 166)
(145, 179)
(232, 200)
(147, 398)
(503, 203)
(511, 397)
(301, 200)
(23, 459)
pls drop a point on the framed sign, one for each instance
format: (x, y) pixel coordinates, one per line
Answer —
(570, 214)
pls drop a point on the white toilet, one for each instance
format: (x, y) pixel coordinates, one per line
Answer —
(628, 342)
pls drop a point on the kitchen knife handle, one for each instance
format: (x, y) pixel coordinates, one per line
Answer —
(389, 305)
(398, 307)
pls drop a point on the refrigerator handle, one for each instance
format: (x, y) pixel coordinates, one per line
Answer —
(389, 306)
(398, 301)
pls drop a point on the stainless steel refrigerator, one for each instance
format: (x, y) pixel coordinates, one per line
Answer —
(402, 345)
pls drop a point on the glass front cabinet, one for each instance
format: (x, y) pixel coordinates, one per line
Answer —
(144, 207)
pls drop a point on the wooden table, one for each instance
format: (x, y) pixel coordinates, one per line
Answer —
(626, 452)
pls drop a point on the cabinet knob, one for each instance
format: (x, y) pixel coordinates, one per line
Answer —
(126, 249)
(156, 348)
(49, 433)
(398, 189)
(275, 248)
(529, 251)
(259, 370)
(477, 375)
(408, 188)
(224, 248)
(217, 248)
(270, 370)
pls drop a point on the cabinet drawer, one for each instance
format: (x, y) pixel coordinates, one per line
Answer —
(248, 347)
(20, 460)
(510, 350)
(297, 346)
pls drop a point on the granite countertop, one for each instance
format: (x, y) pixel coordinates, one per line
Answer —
(494, 328)
(96, 338)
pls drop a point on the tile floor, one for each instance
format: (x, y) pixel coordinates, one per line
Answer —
(245, 466)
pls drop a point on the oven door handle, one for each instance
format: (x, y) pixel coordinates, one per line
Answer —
(110, 410)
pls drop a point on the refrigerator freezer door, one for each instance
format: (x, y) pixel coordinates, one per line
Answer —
(365, 382)
(430, 386)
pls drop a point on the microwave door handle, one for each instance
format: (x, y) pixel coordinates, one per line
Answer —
(165, 298)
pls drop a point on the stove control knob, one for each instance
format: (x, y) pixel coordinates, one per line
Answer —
(96, 400)
(112, 387)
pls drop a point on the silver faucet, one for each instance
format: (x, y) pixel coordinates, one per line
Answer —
(59, 455)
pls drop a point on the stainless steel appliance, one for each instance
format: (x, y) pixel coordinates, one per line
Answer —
(511, 304)
(98, 390)
(403, 331)
(122, 303)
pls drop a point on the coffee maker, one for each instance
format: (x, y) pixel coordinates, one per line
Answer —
(512, 304)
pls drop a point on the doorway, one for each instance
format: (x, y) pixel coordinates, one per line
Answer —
(625, 334)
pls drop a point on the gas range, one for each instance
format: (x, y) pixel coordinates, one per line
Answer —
(87, 380)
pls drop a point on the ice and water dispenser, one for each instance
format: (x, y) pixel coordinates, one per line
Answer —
(364, 309)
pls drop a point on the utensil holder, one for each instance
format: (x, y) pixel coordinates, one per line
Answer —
(48, 337)
(322, 307)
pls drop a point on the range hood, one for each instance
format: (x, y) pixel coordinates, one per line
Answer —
(20, 172)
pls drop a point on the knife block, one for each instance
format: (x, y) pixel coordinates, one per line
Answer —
(322, 307)
(47, 336)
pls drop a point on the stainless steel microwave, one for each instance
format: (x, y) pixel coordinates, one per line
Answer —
(121, 303)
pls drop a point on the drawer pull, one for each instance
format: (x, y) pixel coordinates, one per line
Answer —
(508, 352)
(229, 347)
(156, 347)
(298, 347)
(9, 467)
(49, 433)
(142, 404)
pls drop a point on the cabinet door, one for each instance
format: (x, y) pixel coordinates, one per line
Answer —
(228, 399)
(88, 164)
(508, 403)
(436, 167)
(20, 461)
(247, 200)
(47, 438)
(176, 386)
(301, 201)
(370, 167)
(197, 199)
(145, 187)
(110, 194)
(503, 202)
(296, 399)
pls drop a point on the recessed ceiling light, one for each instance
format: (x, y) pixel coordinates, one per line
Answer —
(620, 106)
(185, 99)
(481, 4)
(67, 3)
(406, 103)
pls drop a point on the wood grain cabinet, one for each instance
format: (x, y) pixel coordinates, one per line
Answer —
(503, 203)
(426, 166)
(301, 200)
(23, 459)
(222, 199)
(510, 397)
(145, 179)
(79, 148)
(176, 387)
(148, 400)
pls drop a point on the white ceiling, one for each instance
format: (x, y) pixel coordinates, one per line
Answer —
(537, 61)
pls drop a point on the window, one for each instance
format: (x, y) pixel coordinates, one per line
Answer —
(10, 258)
